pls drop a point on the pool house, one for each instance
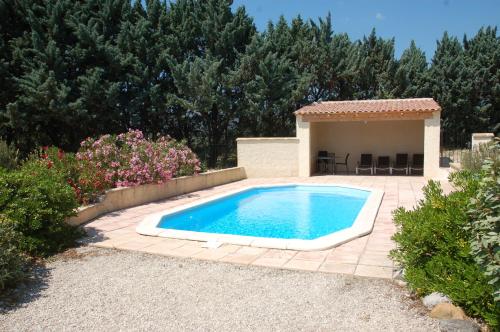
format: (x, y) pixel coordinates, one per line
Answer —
(344, 130)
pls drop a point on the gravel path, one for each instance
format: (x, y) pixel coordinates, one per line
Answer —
(106, 290)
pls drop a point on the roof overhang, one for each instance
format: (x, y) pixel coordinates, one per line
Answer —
(379, 116)
(369, 110)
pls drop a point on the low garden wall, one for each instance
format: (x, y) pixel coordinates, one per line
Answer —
(268, 156)
(126, 197)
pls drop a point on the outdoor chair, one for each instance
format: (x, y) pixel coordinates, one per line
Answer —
(383, 164)
(401, 163)
(344, 163)
(322, 160)
(366, 164)
(417, 163)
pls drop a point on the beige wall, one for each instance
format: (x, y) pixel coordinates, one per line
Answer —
(268, 157)
(122, 198)
(375, 137)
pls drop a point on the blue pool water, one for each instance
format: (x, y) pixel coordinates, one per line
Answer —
(288, 212)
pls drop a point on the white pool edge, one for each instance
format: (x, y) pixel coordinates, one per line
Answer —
(362, 225)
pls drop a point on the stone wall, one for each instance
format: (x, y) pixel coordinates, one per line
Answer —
(122, 198)
(268, 156)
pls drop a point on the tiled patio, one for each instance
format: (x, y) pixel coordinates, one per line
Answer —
(366, 256)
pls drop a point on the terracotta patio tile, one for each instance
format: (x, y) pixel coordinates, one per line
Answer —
(332, 267)
(211, 254)
(199, 244)
(186, 251)
(317, 256)
(380, 246)
(244, 250)
(271, 262)
(375, 260)
(239, 258)
(132, 245)
(120, 232)
(279, 254)
(373, 271)
(301, 264)
(229, 248)
(164, 246)
(343, 257)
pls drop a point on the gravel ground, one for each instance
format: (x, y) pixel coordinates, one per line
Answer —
(106, 290)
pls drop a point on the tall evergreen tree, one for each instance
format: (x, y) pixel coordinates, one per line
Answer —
(410, 76)
(143, 46)
(70, 85)
(482, 56)
(451, 86)
(375, 68)
(13, 27)
(197, 70)
(272, 87)
(202, 80)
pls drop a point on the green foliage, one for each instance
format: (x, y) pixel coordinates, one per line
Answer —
(37, 200)
(8, 156)
(484, 209)
(199, 71)
(12, 261)
(434, 250)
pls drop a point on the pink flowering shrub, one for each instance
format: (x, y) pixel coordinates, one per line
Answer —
(129, 159)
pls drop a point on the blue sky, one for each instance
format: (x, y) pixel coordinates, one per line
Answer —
(421, 20)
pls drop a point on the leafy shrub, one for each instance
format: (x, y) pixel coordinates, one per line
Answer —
(129, 159)
(434, 248)
(484, 210)
(8, 156)
(12, 261)
(37, 200)
(65, 164)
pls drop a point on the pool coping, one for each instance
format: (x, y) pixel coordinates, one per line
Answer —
(362, 225)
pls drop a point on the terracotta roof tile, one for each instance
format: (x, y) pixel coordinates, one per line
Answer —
(370, 106)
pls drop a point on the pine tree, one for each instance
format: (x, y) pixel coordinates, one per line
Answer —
(375, 68)
(449, 79)
(202, 77)
(410, 76)
(144, 54)
(482, 56)
(14, 23)
(271, 86)
(197, 70)
(70, 86)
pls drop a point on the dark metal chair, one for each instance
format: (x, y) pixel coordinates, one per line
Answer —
(401, 163)
(417, 163)
(344, 163)
(366, 163)
(383, 164)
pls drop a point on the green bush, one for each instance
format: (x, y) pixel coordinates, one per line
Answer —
(37, 200)
(434, 248)
(8, 156)
(484, 210)
(12, 261)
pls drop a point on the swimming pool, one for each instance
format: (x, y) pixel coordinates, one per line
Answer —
(294, 216)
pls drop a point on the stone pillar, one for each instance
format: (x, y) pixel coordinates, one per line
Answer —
(304, 136)
(432, 127)
(481, 138)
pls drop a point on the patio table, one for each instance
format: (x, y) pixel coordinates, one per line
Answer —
(330, 159)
